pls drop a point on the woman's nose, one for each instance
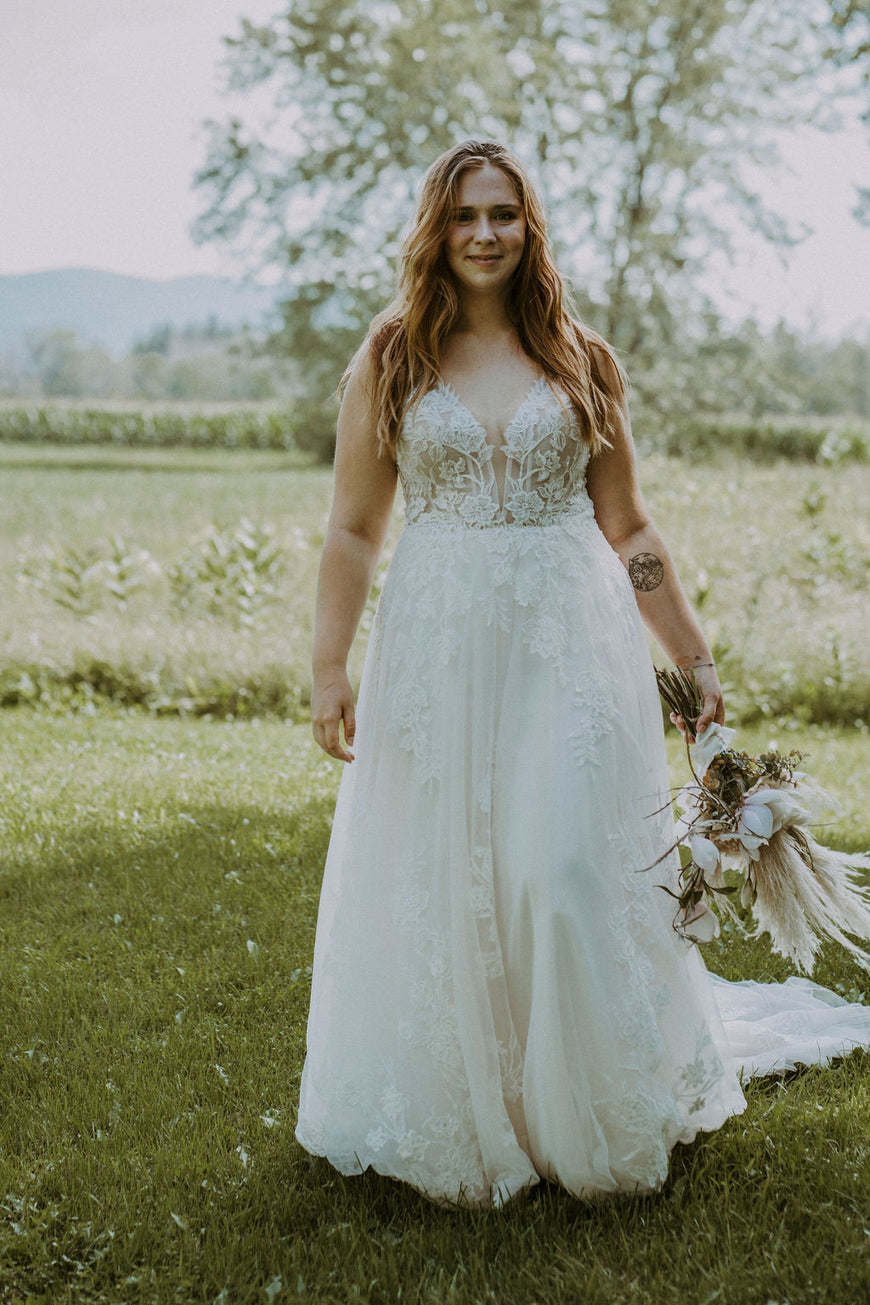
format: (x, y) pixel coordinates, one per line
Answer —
(484, 229)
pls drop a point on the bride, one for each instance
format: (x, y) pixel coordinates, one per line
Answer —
(498, 993)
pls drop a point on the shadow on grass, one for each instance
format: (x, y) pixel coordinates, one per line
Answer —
(283, 1213)
(205, 889)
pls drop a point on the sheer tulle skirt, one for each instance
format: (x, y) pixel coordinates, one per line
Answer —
(498, 994)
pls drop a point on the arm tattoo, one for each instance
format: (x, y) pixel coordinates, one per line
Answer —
(646, 571)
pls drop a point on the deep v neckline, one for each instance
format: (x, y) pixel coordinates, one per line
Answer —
(449, 389)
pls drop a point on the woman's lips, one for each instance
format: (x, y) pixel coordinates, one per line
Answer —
(484, 258)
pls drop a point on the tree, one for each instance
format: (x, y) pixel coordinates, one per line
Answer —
(637, 116)
(850, 23)
(157, 341)
(68, 369)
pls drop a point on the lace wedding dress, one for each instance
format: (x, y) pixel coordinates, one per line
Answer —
(498, 993)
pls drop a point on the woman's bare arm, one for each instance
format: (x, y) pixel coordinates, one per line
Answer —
(365, 486)
(626, 524)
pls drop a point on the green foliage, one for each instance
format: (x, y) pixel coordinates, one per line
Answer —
(157, 341)
(244, 428)
(92, 684)
(766, 441)
(66, 368)
(850, 44)
(207, 362)
(309, 427)
(159, 896)
(711, 385)
(314, 428)
(182, 581)
(82, 580)
(231, 572)
(635, 117)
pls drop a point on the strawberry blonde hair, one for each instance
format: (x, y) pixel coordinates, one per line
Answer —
(404, 341)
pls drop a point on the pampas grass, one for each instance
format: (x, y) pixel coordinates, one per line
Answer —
(749, 816)
(804, 893)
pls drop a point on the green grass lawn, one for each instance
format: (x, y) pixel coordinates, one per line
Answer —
(159, 889)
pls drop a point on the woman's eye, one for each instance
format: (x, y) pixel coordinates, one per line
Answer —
(507, 216)
(462, 217)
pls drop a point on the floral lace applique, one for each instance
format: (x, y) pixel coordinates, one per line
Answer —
(433, 1024)
(594, 710)
(446, 468)
(430, 985)
(440, 1156)
(519, 592)
(702, 1074)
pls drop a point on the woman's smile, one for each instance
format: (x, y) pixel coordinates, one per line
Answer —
(488, 231)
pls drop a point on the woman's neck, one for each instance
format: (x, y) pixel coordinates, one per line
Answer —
(484, 316)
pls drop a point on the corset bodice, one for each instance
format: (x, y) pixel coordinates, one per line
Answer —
(450, 471)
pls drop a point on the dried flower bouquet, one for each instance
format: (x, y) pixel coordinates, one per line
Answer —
(744, 827)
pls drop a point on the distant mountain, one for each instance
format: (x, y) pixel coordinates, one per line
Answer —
(110, 310)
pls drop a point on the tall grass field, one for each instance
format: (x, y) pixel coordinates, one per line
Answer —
(162, 836)
(182, 580)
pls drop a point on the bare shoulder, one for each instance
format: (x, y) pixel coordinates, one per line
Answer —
(357, 434)
(611, 478)
(364, 480)
(359, 382)
(609, 371)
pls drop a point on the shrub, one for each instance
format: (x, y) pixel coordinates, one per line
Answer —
(309, 427)
(229, 572)
(235, 429)
(767, 441)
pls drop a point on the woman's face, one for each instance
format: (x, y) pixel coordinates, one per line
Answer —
(487, 232)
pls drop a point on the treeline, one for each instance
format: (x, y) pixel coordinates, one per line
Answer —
(783, 392)
(203, 363)
(763, 395)
(741, 372)
(770, 394)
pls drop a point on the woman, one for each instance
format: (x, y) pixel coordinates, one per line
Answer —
(498, 992)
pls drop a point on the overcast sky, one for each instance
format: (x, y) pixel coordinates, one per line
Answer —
(101, 106)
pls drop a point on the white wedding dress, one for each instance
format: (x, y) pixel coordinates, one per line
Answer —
(498, 992)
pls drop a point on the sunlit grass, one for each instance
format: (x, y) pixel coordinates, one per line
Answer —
(160, 504)
(157, 908)
(775, 558)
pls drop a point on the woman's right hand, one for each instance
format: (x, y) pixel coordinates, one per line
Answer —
(332, 705)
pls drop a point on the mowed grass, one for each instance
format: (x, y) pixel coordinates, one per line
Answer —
(775, 558)
(159, 891)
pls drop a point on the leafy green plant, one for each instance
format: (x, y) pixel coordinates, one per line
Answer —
(123, 570)
(766, 441)
(243, 428)
(83, 580)
(71, 571)
(234, 571)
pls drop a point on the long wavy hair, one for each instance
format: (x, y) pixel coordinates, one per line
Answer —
(405, 340)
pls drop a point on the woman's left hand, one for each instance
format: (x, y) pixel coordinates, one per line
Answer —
(714, 704)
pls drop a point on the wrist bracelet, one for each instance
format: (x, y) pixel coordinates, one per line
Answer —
(696, 666)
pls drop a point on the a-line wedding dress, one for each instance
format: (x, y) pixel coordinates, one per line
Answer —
(498, 992)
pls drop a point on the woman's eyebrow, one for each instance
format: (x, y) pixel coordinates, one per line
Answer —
(474, 208)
